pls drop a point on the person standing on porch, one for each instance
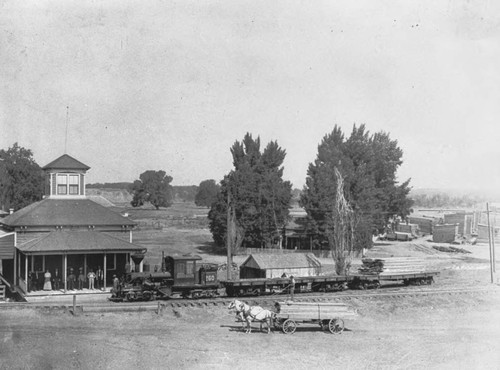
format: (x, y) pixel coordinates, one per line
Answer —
(56, 279)
(100, 278)
(47, 285)
(91, 277)
(71, 279)
(81, 279)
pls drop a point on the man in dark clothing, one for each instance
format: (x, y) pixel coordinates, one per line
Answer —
(71, 280)
(81, 279)
(56, 279)
(99, 278)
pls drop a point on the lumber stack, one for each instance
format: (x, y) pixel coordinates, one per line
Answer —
(314, 310)
(393, 265)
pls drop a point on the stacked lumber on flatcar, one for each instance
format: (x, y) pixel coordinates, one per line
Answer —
(392, 266)
(315, 310)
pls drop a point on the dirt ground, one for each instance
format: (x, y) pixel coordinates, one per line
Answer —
(446, 331)
(441, 332)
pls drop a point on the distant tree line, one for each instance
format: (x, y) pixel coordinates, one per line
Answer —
(444, 200)
(109, 185)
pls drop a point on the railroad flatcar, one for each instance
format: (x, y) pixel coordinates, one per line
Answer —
(246, 287)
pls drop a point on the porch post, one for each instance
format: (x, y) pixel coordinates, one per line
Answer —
(105, 261)
(26, 271)
(65, 271)
(85, 264)
(141, 266)
(15, 267)
(43, 263)
(32, 263)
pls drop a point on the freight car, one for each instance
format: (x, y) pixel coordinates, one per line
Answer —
(247, 287)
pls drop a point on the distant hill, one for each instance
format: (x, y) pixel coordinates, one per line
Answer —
(109, 196)
(118, 193)
(109, 185)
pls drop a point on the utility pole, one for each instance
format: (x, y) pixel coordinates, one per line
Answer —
(491, 243)
(228, 235)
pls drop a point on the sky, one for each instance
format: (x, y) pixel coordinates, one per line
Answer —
(129, 86)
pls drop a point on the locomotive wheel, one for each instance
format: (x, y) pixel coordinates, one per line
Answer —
(147, 296)
(131, 296)
(289, 327)
(336, 326)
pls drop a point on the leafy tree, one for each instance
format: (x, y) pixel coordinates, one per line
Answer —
(153, 187)
(185, 193)
(258, 196)
(21, 178)
(208, 192)
(368, 165)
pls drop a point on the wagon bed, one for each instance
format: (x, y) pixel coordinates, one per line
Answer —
(330, 316)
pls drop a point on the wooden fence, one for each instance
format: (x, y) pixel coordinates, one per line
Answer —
(317, 253)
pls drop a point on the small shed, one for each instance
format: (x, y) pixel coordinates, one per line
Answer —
(275, 265)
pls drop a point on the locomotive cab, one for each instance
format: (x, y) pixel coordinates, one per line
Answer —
(191, 277)
(182, 268)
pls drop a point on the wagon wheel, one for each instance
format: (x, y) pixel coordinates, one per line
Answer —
(289, 326)
(336, 326)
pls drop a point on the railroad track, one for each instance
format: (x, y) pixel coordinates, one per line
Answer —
(266, 300)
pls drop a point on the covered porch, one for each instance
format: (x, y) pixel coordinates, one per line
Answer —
(67, 253)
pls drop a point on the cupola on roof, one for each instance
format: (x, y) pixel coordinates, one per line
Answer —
(66, 162)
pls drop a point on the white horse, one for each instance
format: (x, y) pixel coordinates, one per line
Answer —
(250, 313)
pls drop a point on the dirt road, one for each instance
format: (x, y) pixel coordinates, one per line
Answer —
(445, 332)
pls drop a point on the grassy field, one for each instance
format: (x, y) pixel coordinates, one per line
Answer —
(180, 229)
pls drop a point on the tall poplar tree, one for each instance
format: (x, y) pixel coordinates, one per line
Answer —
(368, 165)
(258, 196)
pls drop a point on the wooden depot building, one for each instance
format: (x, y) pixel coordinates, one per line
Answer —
(64, 231)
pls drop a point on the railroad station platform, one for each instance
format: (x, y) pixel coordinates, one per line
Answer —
(61, 296)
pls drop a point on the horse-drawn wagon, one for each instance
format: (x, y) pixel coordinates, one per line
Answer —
(329, 316)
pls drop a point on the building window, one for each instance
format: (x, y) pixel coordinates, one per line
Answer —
(62, 184)
(73, 184)
(68, 184)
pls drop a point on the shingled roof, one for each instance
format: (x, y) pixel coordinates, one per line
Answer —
(66, 162)
(76, 241)
(279, 261)
(62, 212)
